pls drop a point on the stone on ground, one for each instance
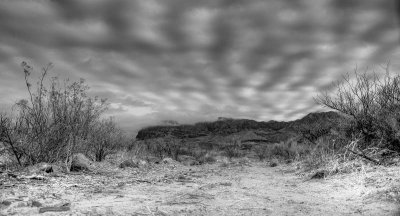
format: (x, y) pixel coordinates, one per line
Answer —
(80, 162)
(168, 161)
(133, 163)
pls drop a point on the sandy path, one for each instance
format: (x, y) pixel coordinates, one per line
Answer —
(247, 190)
(254, 189)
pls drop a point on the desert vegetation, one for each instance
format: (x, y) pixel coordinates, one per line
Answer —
(58, 120)
(59, 124)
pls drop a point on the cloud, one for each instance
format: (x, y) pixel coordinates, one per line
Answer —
(189, 60)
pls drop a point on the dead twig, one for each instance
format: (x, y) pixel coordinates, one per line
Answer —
(365, 157)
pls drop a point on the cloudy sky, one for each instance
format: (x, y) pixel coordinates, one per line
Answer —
(191, 60)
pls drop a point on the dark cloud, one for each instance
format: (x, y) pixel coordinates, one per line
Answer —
(191, 60)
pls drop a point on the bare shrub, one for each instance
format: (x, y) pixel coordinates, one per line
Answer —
(290, 150)
(329, 158)
(204, 157)
(138, 148)
(9, 137)
(56, 121)
(261, 152)
(104, 139)
(165, 147)
(174, 146)
(233, 147)
(156, 147)
(373, 102)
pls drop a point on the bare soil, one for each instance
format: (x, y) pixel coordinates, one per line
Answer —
(237, 188)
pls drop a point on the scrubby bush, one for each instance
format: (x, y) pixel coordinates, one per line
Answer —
(166, 147)
(233, 147)
(261, 151)
(9, 137)
(104, 139)
(56, 121)
(285, 151)
(373, 103)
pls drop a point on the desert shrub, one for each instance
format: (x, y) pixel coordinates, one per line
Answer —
(56, 121)
(318, 157)
(333, 157)
(282, 151)
(331, 162)
(286, 151)
(261, 151)
(174, 147)
(104, 139)
(11, 145)
(137, 147)
(155, 147)
(166, 147)
(233, 147)
(373, 102)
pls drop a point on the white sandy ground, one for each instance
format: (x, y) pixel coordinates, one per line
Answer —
(238, 189)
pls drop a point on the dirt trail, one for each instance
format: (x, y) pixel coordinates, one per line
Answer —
(254, 189)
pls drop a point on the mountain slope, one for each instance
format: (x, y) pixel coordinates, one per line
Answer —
(271, 131)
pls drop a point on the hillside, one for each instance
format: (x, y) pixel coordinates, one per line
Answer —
(271, 131)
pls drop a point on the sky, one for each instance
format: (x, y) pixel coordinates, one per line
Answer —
(197, 60)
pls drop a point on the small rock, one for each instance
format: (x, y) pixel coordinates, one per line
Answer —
(80, 162)
(45, 167)
(190, 162)
(6, 203)
(36, 204)
(65, 207)
(143, 163)
(273, 164)
(40, 167)
(226, 183)
(22, 204)
(181, 178)
(182, 158)
(222, 159)
(152, 159)
(168, 161)
(129, 163)
(319, 175)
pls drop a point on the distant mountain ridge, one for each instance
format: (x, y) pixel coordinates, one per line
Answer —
(272, 130)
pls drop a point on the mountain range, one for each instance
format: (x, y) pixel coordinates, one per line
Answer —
(248, 130)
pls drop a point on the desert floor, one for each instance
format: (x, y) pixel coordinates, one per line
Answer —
(238, 188)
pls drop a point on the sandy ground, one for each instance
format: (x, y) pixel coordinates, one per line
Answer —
(218, 189)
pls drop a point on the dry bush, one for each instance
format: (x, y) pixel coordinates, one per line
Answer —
(204, 157)
(233, 147)
(104, 139)
(166, 147)
(285, 151)
(155, 147)
(56, 121)
(138, 148)
(261, 151)
(330, 158)
(373, 102)
(9, 138)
